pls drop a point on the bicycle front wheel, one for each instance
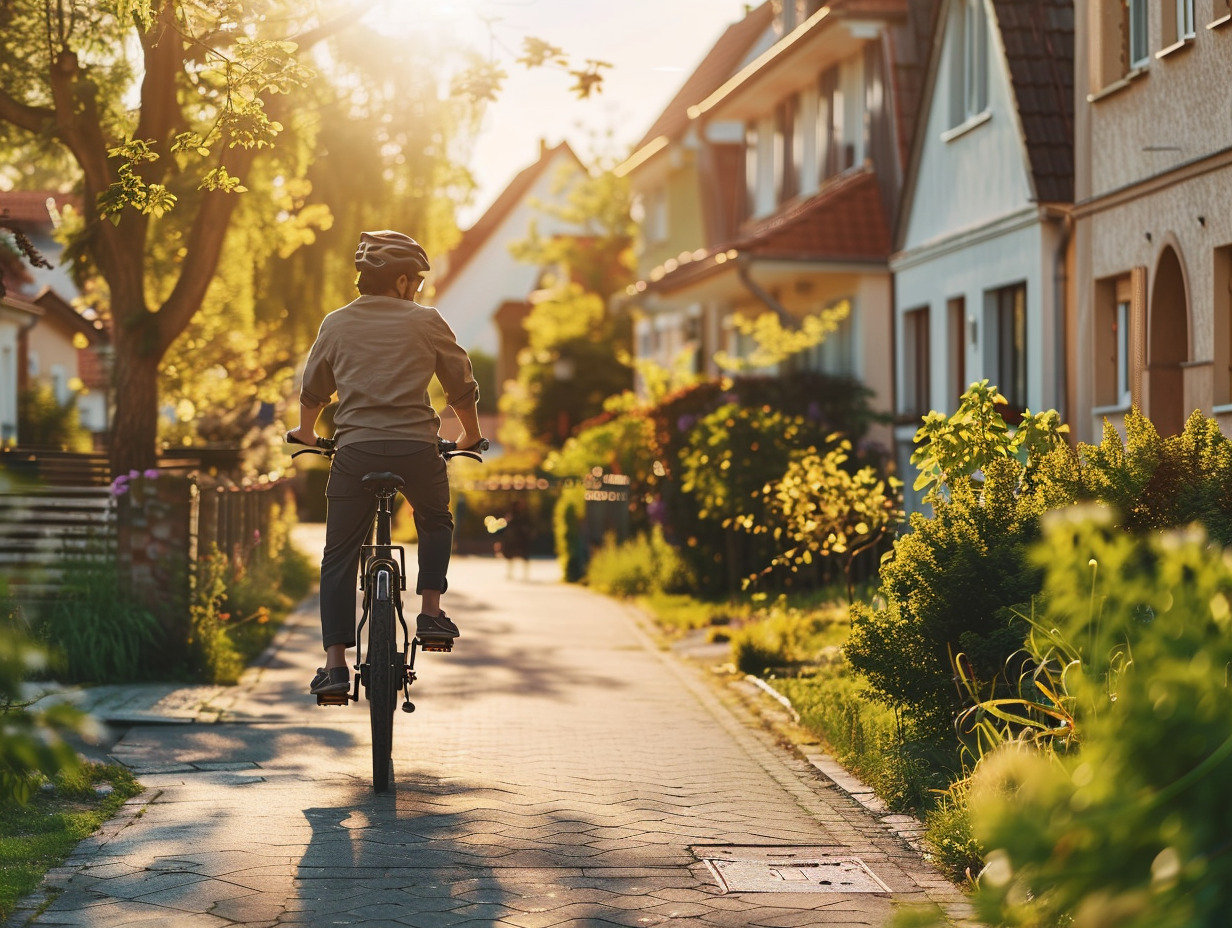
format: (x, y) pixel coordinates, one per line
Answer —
(383, 682)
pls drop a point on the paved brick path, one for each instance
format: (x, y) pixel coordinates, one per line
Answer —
(560, 770)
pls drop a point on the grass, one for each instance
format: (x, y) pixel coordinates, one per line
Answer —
(41, 834)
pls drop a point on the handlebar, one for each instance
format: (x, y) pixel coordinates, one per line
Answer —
(448, 449)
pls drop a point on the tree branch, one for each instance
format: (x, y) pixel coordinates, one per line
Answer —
(30, 118)
(204, 247)
(163, 50)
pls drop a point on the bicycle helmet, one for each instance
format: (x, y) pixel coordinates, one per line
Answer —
(393, 251)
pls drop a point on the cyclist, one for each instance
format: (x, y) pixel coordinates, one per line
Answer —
(378, 353)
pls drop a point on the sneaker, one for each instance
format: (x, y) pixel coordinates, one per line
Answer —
(436, 626)
(334, 680)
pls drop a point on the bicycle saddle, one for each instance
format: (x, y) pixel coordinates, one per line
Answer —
(383, 481)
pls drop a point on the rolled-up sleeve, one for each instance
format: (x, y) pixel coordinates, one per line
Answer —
(453, 366)
(318, 386)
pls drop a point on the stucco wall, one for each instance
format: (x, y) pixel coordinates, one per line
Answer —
(1179, 109)
(1027, 253)
(492, 276)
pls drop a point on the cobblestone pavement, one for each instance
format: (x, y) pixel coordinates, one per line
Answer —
(559, 770)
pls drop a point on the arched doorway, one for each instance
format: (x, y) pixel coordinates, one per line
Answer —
(1168, 345)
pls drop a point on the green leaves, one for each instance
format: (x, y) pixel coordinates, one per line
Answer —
(960, 447)
(130, 189)
(1130, 829)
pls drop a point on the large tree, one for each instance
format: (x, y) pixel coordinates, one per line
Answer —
(163, 106)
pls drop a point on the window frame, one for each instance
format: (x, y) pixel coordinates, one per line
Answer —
(917, 362)
(1009, 358)
(969, 93)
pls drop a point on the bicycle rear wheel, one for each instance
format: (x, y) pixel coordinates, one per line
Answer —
(383, 683)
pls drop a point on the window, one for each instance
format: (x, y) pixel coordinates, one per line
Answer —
(969, 93)
(830, 124)
(786, 173)
(1137, 33)
(751, 168)
(1185, 19)
(655, 219)
(956, 338)
(1114, 341)
(1223, 325)
(1007, 346)
(1178, 22)
(916, 363)
(1120, 39)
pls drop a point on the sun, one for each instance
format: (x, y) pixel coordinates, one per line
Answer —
(422, 17)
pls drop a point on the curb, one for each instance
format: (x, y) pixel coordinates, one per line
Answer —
(55, 879)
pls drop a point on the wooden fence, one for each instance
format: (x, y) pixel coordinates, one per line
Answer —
(153, 528)
(41, 529)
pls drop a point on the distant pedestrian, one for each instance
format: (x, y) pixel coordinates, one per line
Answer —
(516, 537)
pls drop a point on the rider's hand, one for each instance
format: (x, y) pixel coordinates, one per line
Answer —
(465, 441)
(301, 434)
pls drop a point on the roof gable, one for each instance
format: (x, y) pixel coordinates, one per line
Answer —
(474, 238)
(1020, 151)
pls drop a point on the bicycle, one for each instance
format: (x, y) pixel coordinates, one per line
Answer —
(388, 669)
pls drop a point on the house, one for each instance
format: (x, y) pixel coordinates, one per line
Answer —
(800, 154)
(678, 207)
(1153, 218)
(64, 348)
(17, 317)
(483, 290)
(983, 245)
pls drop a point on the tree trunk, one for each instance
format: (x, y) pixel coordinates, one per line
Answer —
(134, 433)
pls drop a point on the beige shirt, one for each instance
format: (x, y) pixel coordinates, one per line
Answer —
(379, 354)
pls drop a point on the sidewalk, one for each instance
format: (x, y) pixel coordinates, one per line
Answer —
(559, 770)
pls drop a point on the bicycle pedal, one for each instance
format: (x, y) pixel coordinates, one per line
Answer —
(333, 699)
(436, 644)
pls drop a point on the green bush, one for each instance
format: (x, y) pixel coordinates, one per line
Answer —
(568, 523)
(213, 656)
(42, 422)
(643, 565)
(99, 633)
(961, 580)
(783, 638)
(32, 744)
(1131, 828)
(864, 736)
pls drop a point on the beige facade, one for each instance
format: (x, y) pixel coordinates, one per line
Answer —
(1153, 219)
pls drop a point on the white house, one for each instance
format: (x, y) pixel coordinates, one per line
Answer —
(62, 347)
(17, 317)
(982, 239)
(483, 290)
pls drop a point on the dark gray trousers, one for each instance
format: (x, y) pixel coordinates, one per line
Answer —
(348, 524)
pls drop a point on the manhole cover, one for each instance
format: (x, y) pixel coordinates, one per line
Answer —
(782, 870)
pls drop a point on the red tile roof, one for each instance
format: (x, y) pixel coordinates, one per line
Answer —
(30, 205)
(474, 237)
(716, 67)
(845, 221)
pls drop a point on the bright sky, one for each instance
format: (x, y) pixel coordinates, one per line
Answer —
(653, 45)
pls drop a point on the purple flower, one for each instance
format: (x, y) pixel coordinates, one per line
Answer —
(152, 473)
(685, 422)
(656, 511)
(119, 489)
(134, 474)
